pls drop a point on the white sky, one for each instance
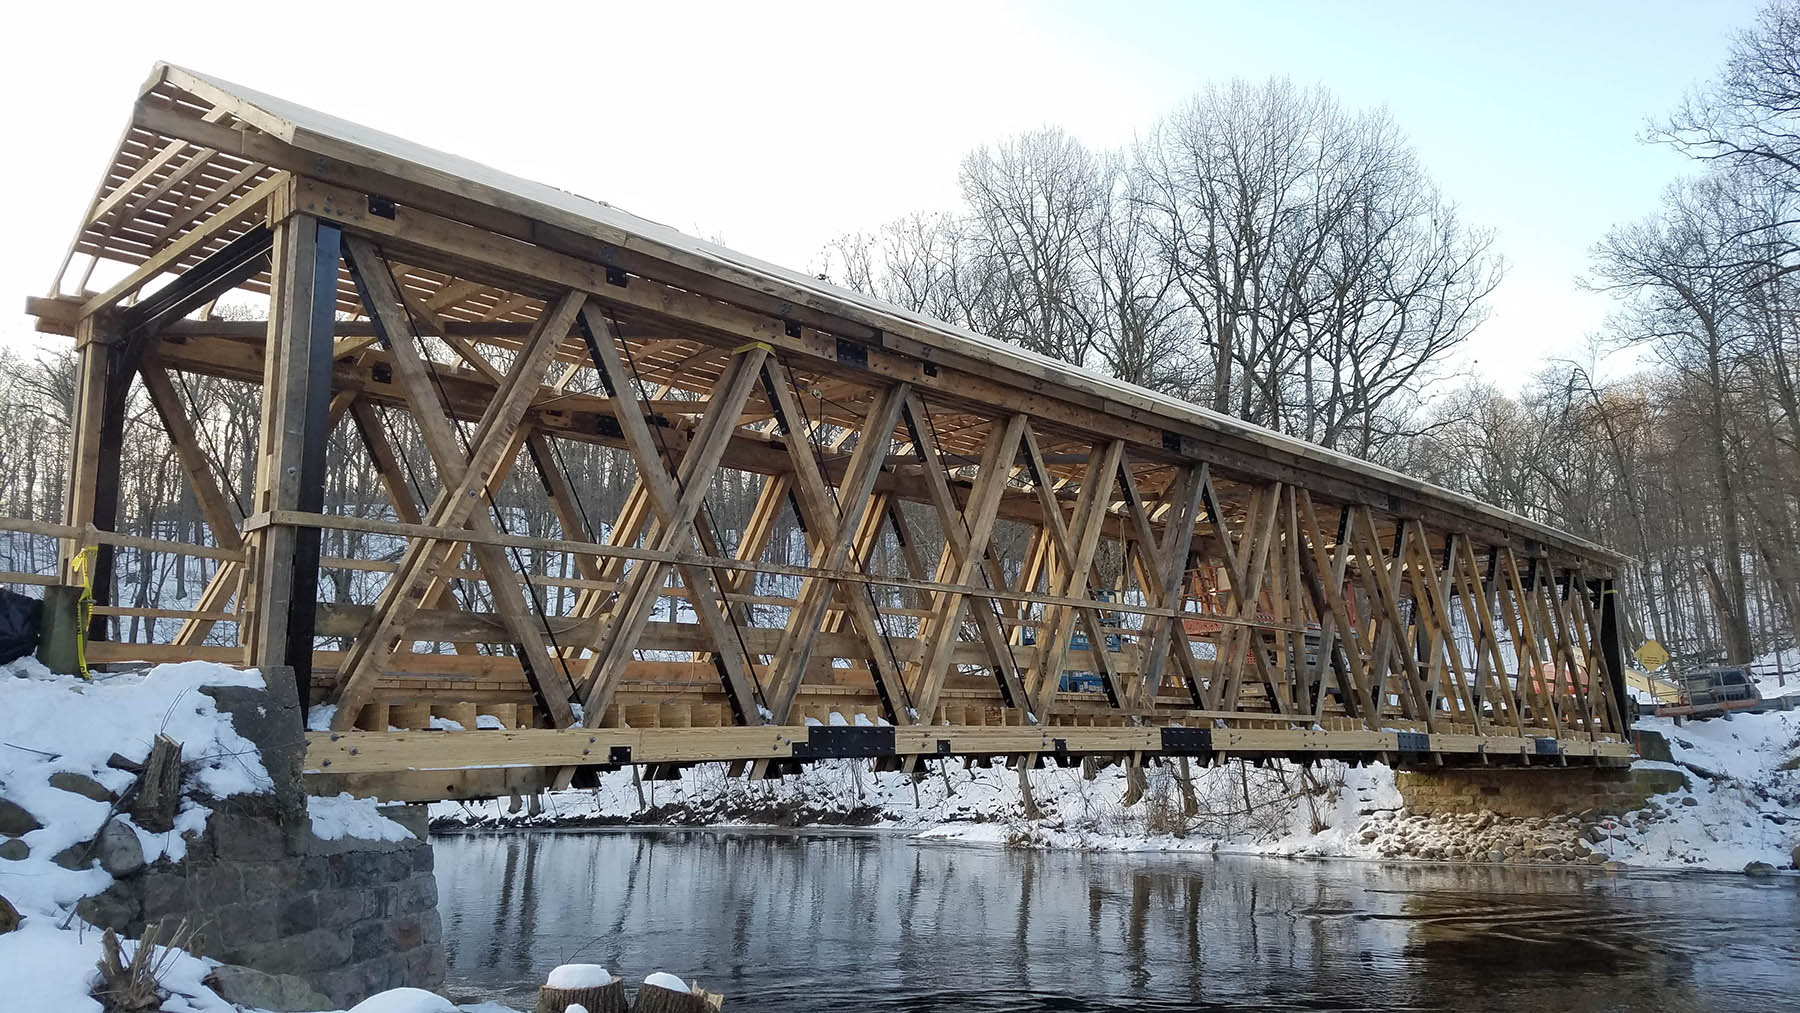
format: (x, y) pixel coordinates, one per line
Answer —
(779, 126)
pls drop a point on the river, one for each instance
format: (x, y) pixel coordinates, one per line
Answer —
(792, 922)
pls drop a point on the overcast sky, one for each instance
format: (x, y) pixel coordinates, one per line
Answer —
(777, 127)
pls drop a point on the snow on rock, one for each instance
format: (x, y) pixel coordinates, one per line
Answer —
(662, 979)
(1750, 812)
(62, 729)
(343, 815)
(1743, 800)
(61, 725)
(575, 1007)
(404, 1000)
(578, 976)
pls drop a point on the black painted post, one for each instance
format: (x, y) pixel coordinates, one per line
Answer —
(1611, 647)
(303, 605)
(283, 597)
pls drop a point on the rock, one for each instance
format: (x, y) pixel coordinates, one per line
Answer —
(15, 850)
(1795, 855)
(118, 848)
(83, 785)
(249, 987)
(114, 908)
(9, 916)
(1759, 869)
(15, 821)
(1689, 800)
(75, 857)
(1593, 835)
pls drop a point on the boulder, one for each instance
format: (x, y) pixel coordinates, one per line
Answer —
(1795, 855)
(118, 849)
(280, 993)
(15, 850)
(9, 916)
(75, 857)
(15, 821)
(113, 908)
(1759, 869)
(83, 785)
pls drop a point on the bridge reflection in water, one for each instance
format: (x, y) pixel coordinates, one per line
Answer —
(791, 923)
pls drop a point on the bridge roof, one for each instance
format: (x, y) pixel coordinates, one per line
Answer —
(197, 145)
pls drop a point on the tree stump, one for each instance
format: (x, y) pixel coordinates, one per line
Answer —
(587, 986)
(159, 788)
(656, 996)
(608, 998)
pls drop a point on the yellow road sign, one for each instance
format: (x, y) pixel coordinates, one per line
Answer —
(1652, 655)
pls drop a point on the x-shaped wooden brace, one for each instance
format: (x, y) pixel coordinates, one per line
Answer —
(1247, 563)
(1075, 542)
(1477, 594)
(833, 527)
(1162, 566)
(967, 533)
(1431, 612)
(461, 500)
(1324, 571)
(1381, 586)
(676, 500)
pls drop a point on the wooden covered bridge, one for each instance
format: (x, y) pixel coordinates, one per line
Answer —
(1002, 555)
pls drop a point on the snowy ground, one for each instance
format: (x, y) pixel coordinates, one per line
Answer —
(58, 727)
(1742, 806)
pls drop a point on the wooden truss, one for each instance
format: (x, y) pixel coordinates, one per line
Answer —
(1110, 571)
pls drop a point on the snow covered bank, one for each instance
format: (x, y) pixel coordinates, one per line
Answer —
(245, 869)
(57, 792)
(1749, 813)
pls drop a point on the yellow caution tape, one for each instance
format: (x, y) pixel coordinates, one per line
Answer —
(83, 565)
(764, 345)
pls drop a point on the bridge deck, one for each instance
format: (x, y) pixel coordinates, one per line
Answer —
(754, 497)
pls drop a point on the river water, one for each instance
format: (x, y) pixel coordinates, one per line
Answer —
(791, 922)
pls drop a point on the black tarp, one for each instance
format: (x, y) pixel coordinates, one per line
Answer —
(18, 625)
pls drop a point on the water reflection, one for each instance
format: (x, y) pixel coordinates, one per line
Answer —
(800, 922)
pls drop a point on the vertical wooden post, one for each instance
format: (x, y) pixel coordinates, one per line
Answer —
(93, 337)
(291, 463)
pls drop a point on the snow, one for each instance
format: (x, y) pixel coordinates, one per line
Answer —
(54, 724)
(51, 724)
(575, 1007)
(578, 976)
(319, 715)
(404, 1000)
(1332, 811)
(1741, 806)
(62, 972)
(343, 815)
(662, 979)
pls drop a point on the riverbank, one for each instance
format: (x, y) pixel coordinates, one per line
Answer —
(162, 811)
(1739, 805)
